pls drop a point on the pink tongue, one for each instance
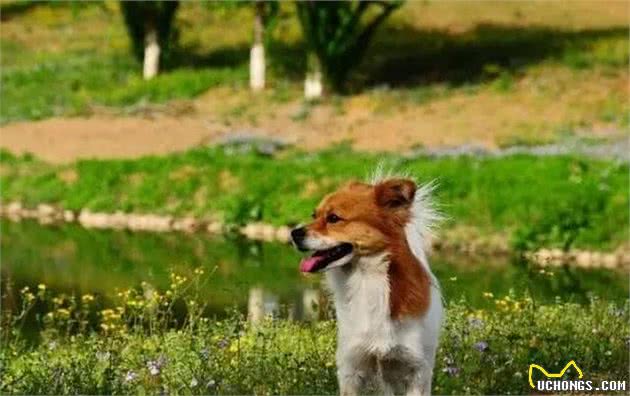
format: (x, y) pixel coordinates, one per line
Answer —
(309, 263)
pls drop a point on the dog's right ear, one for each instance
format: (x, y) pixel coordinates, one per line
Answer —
(395, 193)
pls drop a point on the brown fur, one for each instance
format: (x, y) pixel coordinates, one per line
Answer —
(373, 219)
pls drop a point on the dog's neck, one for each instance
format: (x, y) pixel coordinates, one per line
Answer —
(392, 282)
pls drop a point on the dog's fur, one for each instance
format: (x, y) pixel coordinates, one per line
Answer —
(388, 303)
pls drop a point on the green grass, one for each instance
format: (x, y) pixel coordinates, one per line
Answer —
(72, 84)
(143, 346)
(539, 201)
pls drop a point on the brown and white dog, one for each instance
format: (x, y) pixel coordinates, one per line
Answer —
(370, 239)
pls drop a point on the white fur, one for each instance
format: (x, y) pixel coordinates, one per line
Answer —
(399, 353)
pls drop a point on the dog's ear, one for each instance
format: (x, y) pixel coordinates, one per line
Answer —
(395, 193)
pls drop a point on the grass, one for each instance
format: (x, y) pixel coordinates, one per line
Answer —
(162, 342)
(72, 59)
(537, 201)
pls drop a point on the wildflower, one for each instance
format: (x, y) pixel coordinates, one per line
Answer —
(481, 346)
(614, 311)
(223, 343)
(29, 297)
(488, 295)
(102, 356)
(451, 370)
(52, 345)
(453, 279)
(87, 298)
(63, 313)
(475, 323)
(41, 287)
(155, 366)
(211, 384)
(194, 383)
(25, 289)
(131, 376)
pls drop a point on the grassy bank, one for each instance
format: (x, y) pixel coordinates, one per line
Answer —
(534, 201)
(142, 346)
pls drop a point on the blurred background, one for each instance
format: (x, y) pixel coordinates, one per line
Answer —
(198, 118)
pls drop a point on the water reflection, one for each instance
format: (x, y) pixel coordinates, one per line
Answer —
(260, 279)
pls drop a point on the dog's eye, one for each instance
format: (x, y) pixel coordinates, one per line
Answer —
(332, 218)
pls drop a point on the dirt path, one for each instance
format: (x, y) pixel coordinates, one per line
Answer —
(368, 122)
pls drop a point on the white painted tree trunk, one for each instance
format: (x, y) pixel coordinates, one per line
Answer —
(257, 53)
(257, 67)
(151, 55)
(313, 85)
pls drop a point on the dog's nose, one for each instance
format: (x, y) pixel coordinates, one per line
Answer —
(298, 234)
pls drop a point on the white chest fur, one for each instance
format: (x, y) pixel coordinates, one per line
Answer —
(361, 295)
(367, 336)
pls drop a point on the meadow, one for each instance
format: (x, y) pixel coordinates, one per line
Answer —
(141, 346)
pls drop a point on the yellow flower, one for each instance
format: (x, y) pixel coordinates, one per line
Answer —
(488, 295)
(63, 313)
(86, 298)
(41, 286)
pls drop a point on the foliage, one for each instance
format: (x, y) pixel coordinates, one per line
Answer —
(335, 33)
(143, 16)
(141, 345)
(241, 184)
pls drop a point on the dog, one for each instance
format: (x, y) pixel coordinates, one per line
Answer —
(370, 239)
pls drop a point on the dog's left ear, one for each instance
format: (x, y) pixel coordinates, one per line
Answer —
(395, 193)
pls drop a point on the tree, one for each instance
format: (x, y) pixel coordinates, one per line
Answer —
(337, 37)
(150, 27)
(264, 12)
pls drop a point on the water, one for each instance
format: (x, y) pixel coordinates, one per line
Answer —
(255, 277)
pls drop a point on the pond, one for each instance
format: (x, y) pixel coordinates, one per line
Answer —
(256, 278)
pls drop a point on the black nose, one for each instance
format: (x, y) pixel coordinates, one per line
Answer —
(298, 235)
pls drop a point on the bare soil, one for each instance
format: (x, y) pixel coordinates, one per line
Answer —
(531, 112)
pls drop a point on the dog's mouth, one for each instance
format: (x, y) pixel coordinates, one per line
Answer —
(323, 258)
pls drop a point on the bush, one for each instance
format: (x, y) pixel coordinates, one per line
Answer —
(143, 345)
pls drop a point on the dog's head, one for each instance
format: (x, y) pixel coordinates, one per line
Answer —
(357, 220)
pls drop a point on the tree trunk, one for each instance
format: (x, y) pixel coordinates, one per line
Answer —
(151, 53)
(257, 53)
(313, 85)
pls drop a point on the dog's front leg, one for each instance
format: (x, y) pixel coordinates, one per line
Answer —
(350, 379)
(420, 384)
(352, 371)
